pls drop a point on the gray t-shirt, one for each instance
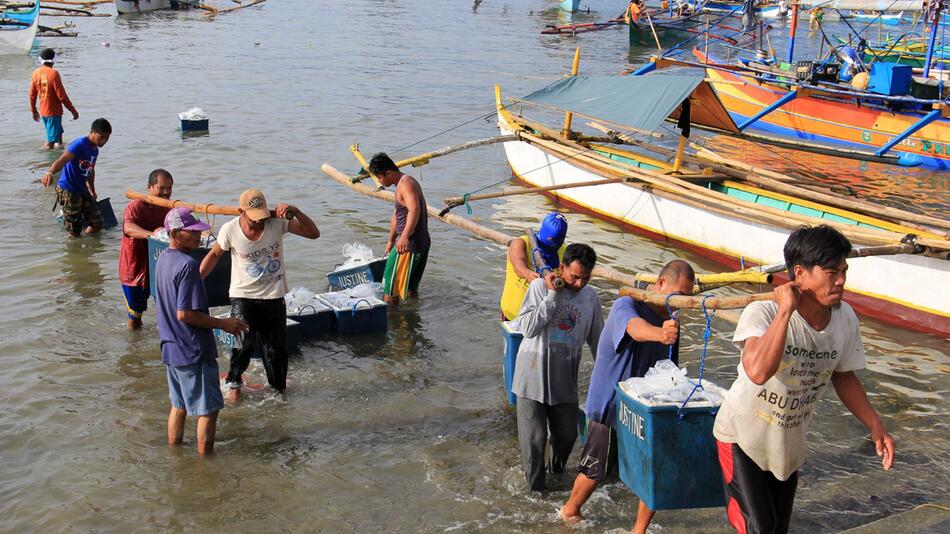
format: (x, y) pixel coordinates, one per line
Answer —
(555, 324)
(769, 421)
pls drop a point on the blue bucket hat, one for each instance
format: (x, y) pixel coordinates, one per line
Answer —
(553, 231)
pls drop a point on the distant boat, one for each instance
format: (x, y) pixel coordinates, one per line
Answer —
(18, 29)
(887, 19)
(766, 11)
(571, 6)
(131, 7)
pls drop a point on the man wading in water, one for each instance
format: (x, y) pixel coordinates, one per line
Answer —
(258, 283)
(791, 349)
(408, 245)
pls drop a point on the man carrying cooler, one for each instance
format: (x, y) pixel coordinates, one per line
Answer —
(556, 322)
(637, 336)
(258, 283)
(531, 256)
(76, 187)
(46, 85)
(791, 349)
(140, 221)
(184, 327)
(408, 244)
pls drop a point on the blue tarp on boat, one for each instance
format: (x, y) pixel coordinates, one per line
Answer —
(638, 102)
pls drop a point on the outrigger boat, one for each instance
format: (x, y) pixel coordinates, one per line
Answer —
(887, 19)
(766, 10)
(136, 7)
(18, 24)
(726, 210)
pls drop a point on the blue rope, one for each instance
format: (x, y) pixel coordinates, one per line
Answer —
(702, 362)
(669, 311)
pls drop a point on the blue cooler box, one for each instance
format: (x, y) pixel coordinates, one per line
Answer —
(366, 315)
(200, 125)
(890, 79)
(668, 462)
(356, 275)
(105, 209)
(315, 318)
(513, 337)
(217, 284)
(227, 340)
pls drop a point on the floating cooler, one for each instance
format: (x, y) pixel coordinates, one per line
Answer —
(510, 330)
(668, 462)
(345, 278)
(217, 284)
(366, 314)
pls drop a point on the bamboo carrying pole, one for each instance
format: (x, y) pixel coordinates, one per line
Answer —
(695, 301)
(568, 117)
(423, 159)
(606, 273)
(207, 209)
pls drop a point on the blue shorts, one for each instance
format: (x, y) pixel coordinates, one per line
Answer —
(136, 300)
(195, 388)
(54, 128)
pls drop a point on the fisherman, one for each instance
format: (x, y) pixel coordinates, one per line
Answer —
(76, 187)
(47, 85)
(258, 283)
(531, 256)
(184, 327)
(791, 348)
(556, 320)
(815, 18)
(637, 336)
(140, 221)
(408, 244)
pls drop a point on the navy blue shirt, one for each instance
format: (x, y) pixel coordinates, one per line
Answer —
(179, 287)
(77, 170)
(619, 357)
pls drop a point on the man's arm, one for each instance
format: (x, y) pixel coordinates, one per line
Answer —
(392, 233)
(210, 260)
(761, 356)
(301, 224)
(231, 325)
(34, 93)
(518, 256)
(57, 166)
(855, 398)
(596, 328)
(91, 183)
(60, 91)
(537, 310)
(641, 330)
(409, 199)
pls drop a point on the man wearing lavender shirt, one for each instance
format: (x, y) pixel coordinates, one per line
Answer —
(184, 328)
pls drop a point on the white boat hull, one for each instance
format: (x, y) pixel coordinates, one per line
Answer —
(128, 7)
(18, 41)
(917, 288)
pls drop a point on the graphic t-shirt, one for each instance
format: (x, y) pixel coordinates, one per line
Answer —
(133, 253)
(555, 325)
(46, 85)
(257, 267)
(180, 287)
(619, 357)
(769, 421)
(80, 168)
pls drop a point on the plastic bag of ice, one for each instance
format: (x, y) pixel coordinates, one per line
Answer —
(665, 383)
(193, 114)
(161, 235)
(368, 289)
(356, 254)
(298, 298)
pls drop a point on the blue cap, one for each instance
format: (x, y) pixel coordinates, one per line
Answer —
(553, 230)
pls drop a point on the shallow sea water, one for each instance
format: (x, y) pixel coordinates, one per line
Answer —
(403, 431)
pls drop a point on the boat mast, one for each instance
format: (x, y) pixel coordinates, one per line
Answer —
(568, 117)
(938, 5)
(794, 26)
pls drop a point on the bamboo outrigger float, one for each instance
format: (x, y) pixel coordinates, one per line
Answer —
(726, 210)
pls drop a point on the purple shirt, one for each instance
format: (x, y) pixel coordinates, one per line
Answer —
(619, 357)
(180, 287)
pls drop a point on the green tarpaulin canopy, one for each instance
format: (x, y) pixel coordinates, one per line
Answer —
(639, 102)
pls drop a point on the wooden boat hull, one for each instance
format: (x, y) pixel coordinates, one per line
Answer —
(128, 7)
(911, 291)
(831, 121)
(669, 33)
(16, 39)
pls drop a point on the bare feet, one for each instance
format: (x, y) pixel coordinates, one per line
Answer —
(232, 395)
(90, 230)
(392, 301)
(571, 519)
(134, 324)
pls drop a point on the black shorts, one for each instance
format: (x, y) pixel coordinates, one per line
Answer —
(756, 501)
(599, 455)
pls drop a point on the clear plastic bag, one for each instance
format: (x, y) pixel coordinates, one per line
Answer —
(356, 254)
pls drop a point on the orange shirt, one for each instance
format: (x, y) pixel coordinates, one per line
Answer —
(47, 85)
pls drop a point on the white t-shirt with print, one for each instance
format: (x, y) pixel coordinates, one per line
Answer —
(257, 267)
(769, 421)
